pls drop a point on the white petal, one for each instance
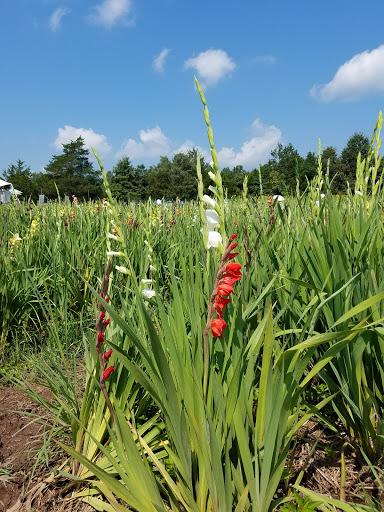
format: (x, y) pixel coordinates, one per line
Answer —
(146, 281)
(214, 238)
(148, 293)
(279, 198)
(123, 270)
(109, 235)
(212, 218)
(210, 202)
(358, 193)
(212, 175)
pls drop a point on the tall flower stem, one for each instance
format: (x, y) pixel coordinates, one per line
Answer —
(223, 270)
(101, 325)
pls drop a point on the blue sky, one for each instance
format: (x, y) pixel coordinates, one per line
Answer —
(120, 73)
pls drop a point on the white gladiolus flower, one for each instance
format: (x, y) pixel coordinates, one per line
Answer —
(212, 218)
(279, 198)
(148, 293)
(358, 193)
(211, 175)
(123, 270)
(158, 201)
(210, 202)
(152, 268)
(113, 253)
(146, 281)
(214, 238)
(109, 235)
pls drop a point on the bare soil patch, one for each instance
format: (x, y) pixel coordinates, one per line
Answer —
(24, 488)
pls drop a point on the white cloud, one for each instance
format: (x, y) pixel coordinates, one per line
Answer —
(159, 61)
(360, 76)
(211, 66)
(56, 17)
(265, 59)
(255, 151)
(91, 139)
(188, 145)
(153, 143)
(112, 12)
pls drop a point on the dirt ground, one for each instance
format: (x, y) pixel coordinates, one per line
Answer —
(26, 488)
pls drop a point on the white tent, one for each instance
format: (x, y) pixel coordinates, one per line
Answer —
(6, 191)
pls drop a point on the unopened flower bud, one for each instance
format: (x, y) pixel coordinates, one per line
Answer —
(108, 372)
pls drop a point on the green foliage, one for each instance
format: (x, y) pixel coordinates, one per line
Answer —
(128, 183)
(21, 177)
(301, 505)
(357, 143)
(73, 173)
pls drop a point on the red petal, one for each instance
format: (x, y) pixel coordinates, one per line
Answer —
(232, 266)
(107, 355)
(108, 372)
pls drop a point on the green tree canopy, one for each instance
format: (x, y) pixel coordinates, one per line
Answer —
(21, 177)
(128, 183)
(73, 173)
(356, 144)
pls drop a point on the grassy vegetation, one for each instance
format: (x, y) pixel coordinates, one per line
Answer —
(198, 422)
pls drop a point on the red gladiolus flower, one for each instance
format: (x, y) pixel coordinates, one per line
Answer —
(221, 302)
(102, 315)
(233, 246)
(233, 236)
(232, 255)
(231, 280)
(232, 266)
(107, 322)
(224, 289)
(107, 355)
(108, 372)
(100, 337)
(217, 326)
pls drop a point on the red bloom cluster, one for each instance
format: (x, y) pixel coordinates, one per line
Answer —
(101, 325)
(229, 273)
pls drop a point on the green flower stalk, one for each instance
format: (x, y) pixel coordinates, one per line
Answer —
(116, 224)
(217, 202)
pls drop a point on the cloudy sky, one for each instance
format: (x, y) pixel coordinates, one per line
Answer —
(120, 73)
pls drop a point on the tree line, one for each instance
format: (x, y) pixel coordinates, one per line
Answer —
(72, 173)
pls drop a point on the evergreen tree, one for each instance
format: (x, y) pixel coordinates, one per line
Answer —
(21, 178)
(73, 173)
(356, 144)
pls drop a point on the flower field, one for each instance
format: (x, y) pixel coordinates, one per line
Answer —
(208, 336)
